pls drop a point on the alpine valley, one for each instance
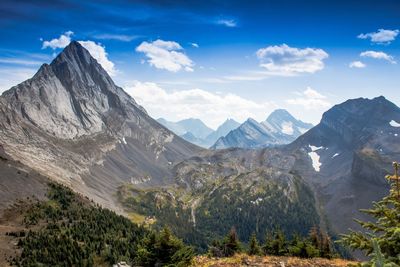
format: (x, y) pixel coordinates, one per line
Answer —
(72, 125)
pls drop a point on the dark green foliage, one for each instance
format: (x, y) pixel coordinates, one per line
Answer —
(254, 247)
(223, 206)
(382, 242)
(317, 244)
(71, 231)
(164, 250)
(226, 247)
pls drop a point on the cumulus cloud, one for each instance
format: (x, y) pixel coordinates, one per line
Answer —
(378, 55)
(212, 108)
(98, 52)
(227, 22)
(357, 64)
(310, 99)
(382, 36)
(166, 55)
(59, 42)
(288, 61)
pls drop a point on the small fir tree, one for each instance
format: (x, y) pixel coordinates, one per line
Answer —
(254, 247)
(382, 243)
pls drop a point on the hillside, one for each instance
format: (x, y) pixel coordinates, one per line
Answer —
(65, 228)
(270, 261)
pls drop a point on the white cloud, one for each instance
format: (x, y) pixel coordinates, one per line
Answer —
(166, 55)
(310, 99)
(212, 108)
(10, 77)
(227, 22)
(195, 45)
(118, 37)
(17, 61)
(59, 42)
(96, 50)
(378, 55)
(99, 53)
(288, 61)
(357, 64)
(381, 36)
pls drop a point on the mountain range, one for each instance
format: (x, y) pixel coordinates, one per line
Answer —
(278, 129)
(196, 132)
(70, 123)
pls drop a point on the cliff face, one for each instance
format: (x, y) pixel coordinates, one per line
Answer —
(70, 120)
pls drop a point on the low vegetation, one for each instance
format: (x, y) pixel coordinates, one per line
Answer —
(317, 244)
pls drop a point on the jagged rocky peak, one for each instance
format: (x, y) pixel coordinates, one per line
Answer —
(71, 97)
(360, 115)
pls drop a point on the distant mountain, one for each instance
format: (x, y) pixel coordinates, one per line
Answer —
(188, 136)
(249, 134)
(173, 126)
(350, 151)
(222, 130)
(284, 126)
(279, 128)
(195, 126)
(196, 132)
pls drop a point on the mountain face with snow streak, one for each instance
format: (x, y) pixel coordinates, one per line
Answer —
(350, 151)
(285, 127)
(278, 129)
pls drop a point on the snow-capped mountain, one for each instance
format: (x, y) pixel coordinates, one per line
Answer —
(279, 128)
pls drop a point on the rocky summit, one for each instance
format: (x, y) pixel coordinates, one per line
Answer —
(71, 122)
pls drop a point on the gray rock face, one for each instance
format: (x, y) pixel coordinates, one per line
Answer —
(279, 128)
(70, 120)
(71, 97)
(355, 144)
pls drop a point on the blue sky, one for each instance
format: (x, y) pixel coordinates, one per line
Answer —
(217, 59)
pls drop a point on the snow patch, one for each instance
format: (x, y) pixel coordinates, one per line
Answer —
(315, 157)
(287, 127)
(124, 141)
(394, 123)
(169, 138)
(336, 154)
(257, 201)
(303, 130)
(395, 134)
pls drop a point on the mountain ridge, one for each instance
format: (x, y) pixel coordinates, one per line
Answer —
(279, 128)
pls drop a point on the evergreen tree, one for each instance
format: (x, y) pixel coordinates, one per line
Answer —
(382, 242)
(231, 243)
(254, 247)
